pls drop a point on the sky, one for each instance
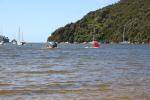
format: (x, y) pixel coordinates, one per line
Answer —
(37, 19)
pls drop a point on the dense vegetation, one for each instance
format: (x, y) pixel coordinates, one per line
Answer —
(4, 39)
(108, 24)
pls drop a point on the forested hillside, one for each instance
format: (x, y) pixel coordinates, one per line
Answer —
(108, 24)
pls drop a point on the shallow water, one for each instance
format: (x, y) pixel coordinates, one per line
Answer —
(72, 72)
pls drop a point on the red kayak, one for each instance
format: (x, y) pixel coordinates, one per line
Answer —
(95, 44)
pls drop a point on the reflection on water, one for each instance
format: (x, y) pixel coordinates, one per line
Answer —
(72, 72)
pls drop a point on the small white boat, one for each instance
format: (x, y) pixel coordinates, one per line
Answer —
(125, 42)
(1, 43)
(14, 41)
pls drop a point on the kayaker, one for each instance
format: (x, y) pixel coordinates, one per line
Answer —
(51, 45)
(95, 44)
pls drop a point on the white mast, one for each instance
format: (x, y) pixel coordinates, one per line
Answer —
(123, 33)
(22, 37)
(2, 31)
(19, 42)
(19, 35)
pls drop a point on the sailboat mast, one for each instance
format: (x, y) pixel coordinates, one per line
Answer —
(19, 34)
(22, 36)
(123, 33)
(1, 31)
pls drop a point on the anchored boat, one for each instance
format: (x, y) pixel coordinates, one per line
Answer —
(51, 44)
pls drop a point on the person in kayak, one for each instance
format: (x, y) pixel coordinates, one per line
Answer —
(51, 45)
(95, 44)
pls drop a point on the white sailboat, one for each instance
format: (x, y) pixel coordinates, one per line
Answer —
(1, 42)
(123, 38)
(19, 41)
(23, 42)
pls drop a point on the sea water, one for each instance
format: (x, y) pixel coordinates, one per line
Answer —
(73, 72)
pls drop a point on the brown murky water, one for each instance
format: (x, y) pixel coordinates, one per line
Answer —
(72, 72)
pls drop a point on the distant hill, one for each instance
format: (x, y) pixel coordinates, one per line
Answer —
(4, 39)
(108, 24)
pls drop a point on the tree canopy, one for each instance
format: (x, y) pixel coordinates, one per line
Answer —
(108, 24)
